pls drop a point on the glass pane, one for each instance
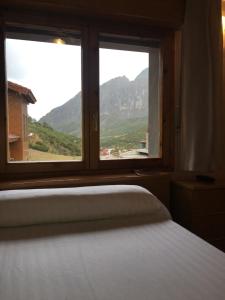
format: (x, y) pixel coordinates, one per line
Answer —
(44, 100)
(129, 102)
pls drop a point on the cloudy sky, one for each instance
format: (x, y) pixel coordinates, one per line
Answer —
(53, 72)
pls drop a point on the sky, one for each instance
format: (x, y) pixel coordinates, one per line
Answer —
(53, 72)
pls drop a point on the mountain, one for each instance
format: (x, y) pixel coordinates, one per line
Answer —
(121, 99)
(66, 118)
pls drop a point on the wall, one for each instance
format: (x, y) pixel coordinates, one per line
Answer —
(166, 12)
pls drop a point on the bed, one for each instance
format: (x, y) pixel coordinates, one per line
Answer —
(101, 243)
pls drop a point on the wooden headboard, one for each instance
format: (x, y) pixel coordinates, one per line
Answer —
(157, 183)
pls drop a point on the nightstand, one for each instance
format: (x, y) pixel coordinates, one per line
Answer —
(200, 207)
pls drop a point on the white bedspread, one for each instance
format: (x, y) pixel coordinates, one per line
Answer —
(128, 259)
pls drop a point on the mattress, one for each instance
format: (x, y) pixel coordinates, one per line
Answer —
(138, 257)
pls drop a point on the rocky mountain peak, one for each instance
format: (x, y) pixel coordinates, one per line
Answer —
(120, 99)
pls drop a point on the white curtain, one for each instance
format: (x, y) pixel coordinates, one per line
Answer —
(202, 127)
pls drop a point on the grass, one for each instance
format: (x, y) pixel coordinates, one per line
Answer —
(35, 155)
(46, 139)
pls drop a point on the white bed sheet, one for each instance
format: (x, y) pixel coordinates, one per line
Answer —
(129, 259)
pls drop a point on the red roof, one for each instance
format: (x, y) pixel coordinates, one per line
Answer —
(27, 93)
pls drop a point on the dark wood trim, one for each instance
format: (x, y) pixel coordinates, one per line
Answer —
(167, 14)
(38, 20)
(94, 97)
(168, 103)
(85, 99)
(43, 167)
(3, 105)
(131, 163)
(83, 172)
(178, 88)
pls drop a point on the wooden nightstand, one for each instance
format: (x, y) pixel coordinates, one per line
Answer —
(200, 207)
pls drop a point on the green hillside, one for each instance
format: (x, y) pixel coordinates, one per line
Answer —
(44, 138)
(123, 134)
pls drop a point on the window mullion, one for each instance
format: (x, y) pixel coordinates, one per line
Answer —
(93, 67)
(85, 98)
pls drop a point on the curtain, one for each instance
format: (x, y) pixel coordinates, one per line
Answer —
(202, 127)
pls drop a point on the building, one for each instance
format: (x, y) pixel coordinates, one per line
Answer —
(18, 99)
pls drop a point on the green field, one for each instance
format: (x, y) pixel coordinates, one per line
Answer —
(44, 138)
(35, 155)
(47, 144)
(124, 134)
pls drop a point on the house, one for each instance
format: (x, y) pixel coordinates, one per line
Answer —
(18, 99)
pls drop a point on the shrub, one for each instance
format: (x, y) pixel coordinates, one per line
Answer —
(39, 146)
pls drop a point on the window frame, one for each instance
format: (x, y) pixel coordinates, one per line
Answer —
(45, 166)
(90, 33)
(138, 42)
(166, 161)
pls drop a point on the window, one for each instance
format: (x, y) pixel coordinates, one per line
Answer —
(44, 83)
(130, 106)
(86, 99)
